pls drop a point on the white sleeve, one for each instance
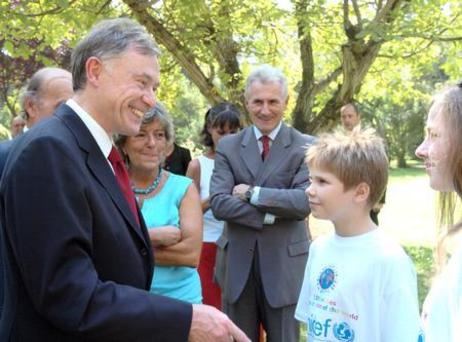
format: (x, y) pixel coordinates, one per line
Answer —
(399, 306)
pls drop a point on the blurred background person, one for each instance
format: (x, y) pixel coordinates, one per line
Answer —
(350, 117)
(17, 126)
(170, 206)
(221, 120)
(45, 91)
(177, 159)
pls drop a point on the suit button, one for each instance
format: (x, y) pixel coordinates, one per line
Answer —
(250, 249)
(143, 252)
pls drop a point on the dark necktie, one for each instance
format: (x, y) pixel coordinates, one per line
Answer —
(122, 178)
(265, 140)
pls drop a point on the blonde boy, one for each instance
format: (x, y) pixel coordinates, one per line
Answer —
(359, 285)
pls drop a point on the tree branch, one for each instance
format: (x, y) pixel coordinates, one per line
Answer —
(225, 51)
(431, 37)
(324, 83)
(56, 10)
(306, 48)
(350, 30)
(358, 57)
(305, 99)
(346, 17)
(383, 15)
(101, 9)
(358, 14)
(411, 54)
(379, 5)
(182, 54)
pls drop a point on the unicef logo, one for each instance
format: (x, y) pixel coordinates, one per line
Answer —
(343, 332)
(327, 278)
(421, 337)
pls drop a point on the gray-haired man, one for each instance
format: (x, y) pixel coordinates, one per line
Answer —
(258, 187)
(80, 261)
(45, 91)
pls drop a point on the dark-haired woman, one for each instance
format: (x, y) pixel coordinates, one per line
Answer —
(220, 120)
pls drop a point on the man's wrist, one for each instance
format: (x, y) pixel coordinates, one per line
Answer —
(248, 194)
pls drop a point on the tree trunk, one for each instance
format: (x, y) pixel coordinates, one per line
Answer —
(183, 56)
(358, 57)
(402, 163)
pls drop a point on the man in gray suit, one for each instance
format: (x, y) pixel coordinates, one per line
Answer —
(257, 188)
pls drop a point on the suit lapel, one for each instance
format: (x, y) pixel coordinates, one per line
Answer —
(276, 154)
(99, 165)
(250, 152)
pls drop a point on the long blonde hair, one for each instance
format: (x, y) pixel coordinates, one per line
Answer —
(449, 103)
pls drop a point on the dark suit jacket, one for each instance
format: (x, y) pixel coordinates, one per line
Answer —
(282, 246)
(177, 162)
(5, 147)
(77, 263)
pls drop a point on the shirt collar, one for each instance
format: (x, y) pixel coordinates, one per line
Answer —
(103, 140)
(272, 135)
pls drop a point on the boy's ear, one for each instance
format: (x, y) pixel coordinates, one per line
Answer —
(362, 192)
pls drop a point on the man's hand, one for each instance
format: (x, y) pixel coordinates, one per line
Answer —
(239, 191)
(210, 325)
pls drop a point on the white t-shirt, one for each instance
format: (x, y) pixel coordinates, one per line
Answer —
(361, 288)
(212, 227)
(442, 309)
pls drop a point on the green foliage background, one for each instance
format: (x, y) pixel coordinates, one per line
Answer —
(420, 46)
(423, 261)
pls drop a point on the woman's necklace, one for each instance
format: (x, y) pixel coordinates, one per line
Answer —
(150, 188)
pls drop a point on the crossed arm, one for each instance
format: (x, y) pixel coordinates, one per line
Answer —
(228, 203)
(180, 247)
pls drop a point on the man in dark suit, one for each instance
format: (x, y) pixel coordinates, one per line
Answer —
(79, 261)
(5, 147)
(45, 91)
(257, 188)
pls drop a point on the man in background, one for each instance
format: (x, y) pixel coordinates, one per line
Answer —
(17, 126)
(258, 188)
(45, 91)
(350, 117)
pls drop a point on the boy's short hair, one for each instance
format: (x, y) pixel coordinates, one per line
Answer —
(353, 157)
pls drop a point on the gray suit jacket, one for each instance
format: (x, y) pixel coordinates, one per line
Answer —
(282, 246)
